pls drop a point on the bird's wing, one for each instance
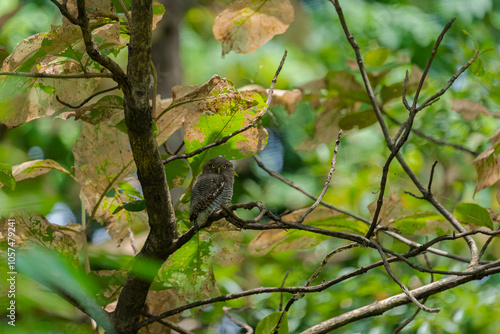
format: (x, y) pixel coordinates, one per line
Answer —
(201, 200)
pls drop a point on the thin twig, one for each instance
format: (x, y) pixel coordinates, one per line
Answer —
(432, 139)
(362, 219)
(414, 315)
(403, 287)
(248, 328)
(87, 99)
(395, 148)
(243, 129)
(282, 285)
(132, 240)
(429, 62)
(170, 324)
(485, 246)
(327, 182)
(450, 82)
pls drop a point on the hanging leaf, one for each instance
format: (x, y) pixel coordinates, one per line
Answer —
(245, 25)
(268, 324)
(473, 214)
(391, 207)
(469, 110)
(487, 164)
(376, 57)
(422, 223)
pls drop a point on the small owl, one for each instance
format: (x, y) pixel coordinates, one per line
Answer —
(213, 188)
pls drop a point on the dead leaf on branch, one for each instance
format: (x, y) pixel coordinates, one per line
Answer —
(469, 110)
(245, 25)
(277, 241)
(287, 98)
(487, 165)
(391, 207)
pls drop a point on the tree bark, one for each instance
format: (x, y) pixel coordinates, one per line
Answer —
(150, 170)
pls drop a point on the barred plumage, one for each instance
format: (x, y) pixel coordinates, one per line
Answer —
(213, 188)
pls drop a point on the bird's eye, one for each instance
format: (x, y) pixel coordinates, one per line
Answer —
(213, 166)
(223, 166)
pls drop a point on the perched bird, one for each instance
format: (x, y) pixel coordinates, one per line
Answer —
(212, 189)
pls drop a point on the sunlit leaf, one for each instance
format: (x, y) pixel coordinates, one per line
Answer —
(469, 110)
(6, 177)
(245, 25)
(376, 57)
(189, 269)
(477, 68)
(474, 214)
(268, 324)
(421, 223)
(281, 97)
(35, 230)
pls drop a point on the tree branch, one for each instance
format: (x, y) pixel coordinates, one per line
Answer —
(327, 182)
(379, 307)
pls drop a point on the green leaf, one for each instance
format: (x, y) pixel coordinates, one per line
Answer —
(268, 324)
(158, 8)
(360, 119)
(176, 172)
(6, 177)
(477, 67)
(135, 206)
(419, 221)
(50, 269)
(474, 214)
(376, 57)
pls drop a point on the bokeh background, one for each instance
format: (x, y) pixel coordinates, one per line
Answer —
(186, 53)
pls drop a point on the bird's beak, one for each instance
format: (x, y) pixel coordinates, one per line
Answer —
(218, 170)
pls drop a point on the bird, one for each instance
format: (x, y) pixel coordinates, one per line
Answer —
(212, 189)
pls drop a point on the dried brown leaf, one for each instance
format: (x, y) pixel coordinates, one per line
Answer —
(287, 98)
(391, 207)
(487, 165)
(245, 25)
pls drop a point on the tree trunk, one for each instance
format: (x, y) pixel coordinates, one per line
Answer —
(150, 169)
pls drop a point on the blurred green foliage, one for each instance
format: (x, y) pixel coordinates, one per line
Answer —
(316, 45)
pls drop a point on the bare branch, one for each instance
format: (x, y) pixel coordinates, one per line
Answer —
(381, 306)
(450, 82)
(248, 328)
(170, 324)
(414, 315)
(87, 99)
(403, 287)
(327, 182)
(432, 139)
(429, 62)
